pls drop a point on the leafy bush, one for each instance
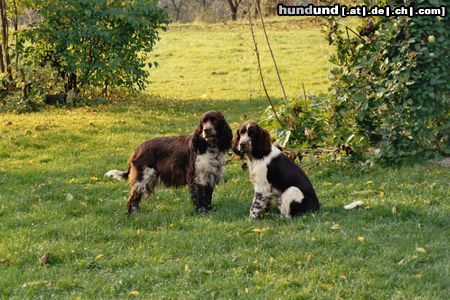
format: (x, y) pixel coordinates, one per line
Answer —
(391, 83)
(389, 93)
(305, 122)
(95, 44)
(30, 88)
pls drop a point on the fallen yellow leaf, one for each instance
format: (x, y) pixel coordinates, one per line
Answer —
(394, 210)
(133, 293)
(326, 286)
(335, 226)
(186, 268)
(40, 127)
(261, 231)
(44, 258)
(361, 238)
(421, 250)
(309, 257)
(99, 256)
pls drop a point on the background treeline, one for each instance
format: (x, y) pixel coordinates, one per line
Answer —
(222, 10)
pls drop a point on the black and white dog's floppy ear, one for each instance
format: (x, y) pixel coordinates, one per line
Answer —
(235, 143)
(261, 145)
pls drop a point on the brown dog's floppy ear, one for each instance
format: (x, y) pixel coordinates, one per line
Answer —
(235, 143)
(197, 142)
(225, 136)
(261, 145)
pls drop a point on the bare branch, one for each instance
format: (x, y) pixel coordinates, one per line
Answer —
(260, 69)
(270, 49)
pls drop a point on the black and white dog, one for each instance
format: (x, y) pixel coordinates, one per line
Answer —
(273, 174)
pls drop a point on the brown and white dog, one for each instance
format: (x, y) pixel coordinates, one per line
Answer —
(196, 160)
(273, 174)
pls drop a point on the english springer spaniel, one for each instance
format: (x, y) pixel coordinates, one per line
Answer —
(196, 160)
(273, 175)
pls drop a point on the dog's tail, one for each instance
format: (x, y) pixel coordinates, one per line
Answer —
(117, 174)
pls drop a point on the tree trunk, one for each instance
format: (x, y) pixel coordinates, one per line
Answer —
(234, 14)
(105, 89)
(71, 82)
(177, 8)
(234, 6)
(205, 4)
(2, 64)
(4, 20)
(16, 30)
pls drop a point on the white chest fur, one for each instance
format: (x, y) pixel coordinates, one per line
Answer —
(209, 167)
(258, 172)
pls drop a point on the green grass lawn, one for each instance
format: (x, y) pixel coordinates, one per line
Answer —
(54, 198)
(217, 61)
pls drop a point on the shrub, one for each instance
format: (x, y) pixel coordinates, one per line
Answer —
(95, 44)
(391, 83)
(305, 122)
(29, 90)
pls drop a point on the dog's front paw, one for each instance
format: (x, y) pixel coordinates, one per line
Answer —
(202, 211)
(254, 216)
(132, 209)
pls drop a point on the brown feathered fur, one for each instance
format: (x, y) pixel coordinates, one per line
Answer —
(172, 161)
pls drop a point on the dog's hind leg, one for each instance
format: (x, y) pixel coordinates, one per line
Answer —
(134, 199)
(141, 188)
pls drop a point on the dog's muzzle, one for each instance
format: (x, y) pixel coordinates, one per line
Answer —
(244, 147)
(209, 133)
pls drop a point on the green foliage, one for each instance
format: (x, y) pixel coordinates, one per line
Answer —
(391, 86)
(305, 122)
(18, 104)
(30, 88)
(97, 44)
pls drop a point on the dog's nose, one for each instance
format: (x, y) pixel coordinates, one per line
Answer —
(243, 145)
(207, 130)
